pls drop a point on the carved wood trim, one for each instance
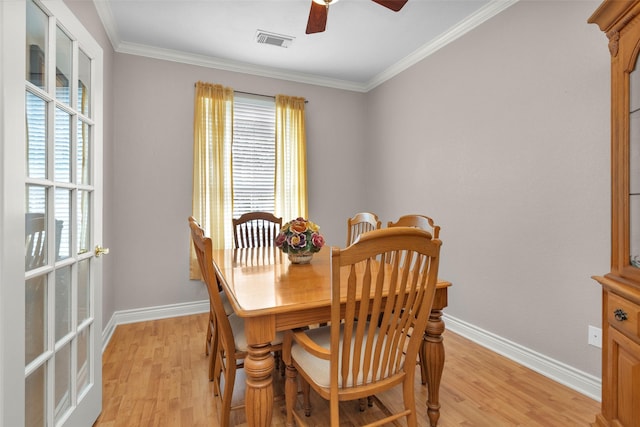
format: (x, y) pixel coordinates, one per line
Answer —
(614, 42)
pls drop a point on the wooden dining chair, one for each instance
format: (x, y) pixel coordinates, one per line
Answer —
(229, 344)
(425, 223)
(211, 332)
(419, 221)
(255, 229)
(361, 223)
(353, 358)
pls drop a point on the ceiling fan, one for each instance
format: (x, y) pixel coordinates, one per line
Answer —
(320, 10)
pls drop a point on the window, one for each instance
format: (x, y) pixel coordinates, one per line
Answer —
(253, 154)
(249, 154)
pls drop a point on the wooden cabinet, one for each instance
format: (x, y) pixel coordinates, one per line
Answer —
(620, 20)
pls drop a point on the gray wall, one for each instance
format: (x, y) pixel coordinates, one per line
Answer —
(153, 166)
(502, 137)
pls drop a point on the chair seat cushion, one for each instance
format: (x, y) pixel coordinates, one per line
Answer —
(319, 370)
(228, 309)
(237, 326)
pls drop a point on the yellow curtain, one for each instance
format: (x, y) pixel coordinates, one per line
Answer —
(291, 159)
(212, 177)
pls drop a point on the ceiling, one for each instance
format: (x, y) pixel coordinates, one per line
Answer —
(364, 43)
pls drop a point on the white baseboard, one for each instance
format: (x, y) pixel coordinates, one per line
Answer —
(575, 379)
(150, 313)
(580, 381)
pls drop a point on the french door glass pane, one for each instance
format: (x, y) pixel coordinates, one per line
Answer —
(634, 173)
(634, 230)
(63, 66)
(62, 150)
(84, 83)
(35, 388)
(36, 45)
(63, 219)
(83, 291)
(62, 381)
(35, 324)
(83, 360)
(83, 221)
(36, 236)
(63, 302)
(82, 153)
(36, 153)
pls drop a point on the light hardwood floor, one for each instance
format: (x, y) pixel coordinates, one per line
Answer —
(155, 374)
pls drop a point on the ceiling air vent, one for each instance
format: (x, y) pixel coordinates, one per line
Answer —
(273, 39)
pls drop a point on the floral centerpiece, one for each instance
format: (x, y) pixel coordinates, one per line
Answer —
(300, 238)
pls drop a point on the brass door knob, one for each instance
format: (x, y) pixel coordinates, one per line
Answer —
(101, 251)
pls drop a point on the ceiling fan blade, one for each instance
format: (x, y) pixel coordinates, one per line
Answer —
(394, 5)
(317, 18)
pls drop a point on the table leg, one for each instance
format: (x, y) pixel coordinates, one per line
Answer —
(433, 359)
(259, 366)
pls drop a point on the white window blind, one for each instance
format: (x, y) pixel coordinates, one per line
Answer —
(253, 153)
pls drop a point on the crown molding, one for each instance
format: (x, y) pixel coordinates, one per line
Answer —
(488, 11)
(238, 67)
(483, 14)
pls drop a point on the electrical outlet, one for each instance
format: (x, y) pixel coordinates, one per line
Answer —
(595, 336)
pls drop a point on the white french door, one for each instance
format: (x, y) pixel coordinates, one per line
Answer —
(56, 329)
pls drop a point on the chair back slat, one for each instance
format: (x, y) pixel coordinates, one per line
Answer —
(256, 229)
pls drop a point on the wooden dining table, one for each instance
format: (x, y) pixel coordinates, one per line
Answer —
(271, 294)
